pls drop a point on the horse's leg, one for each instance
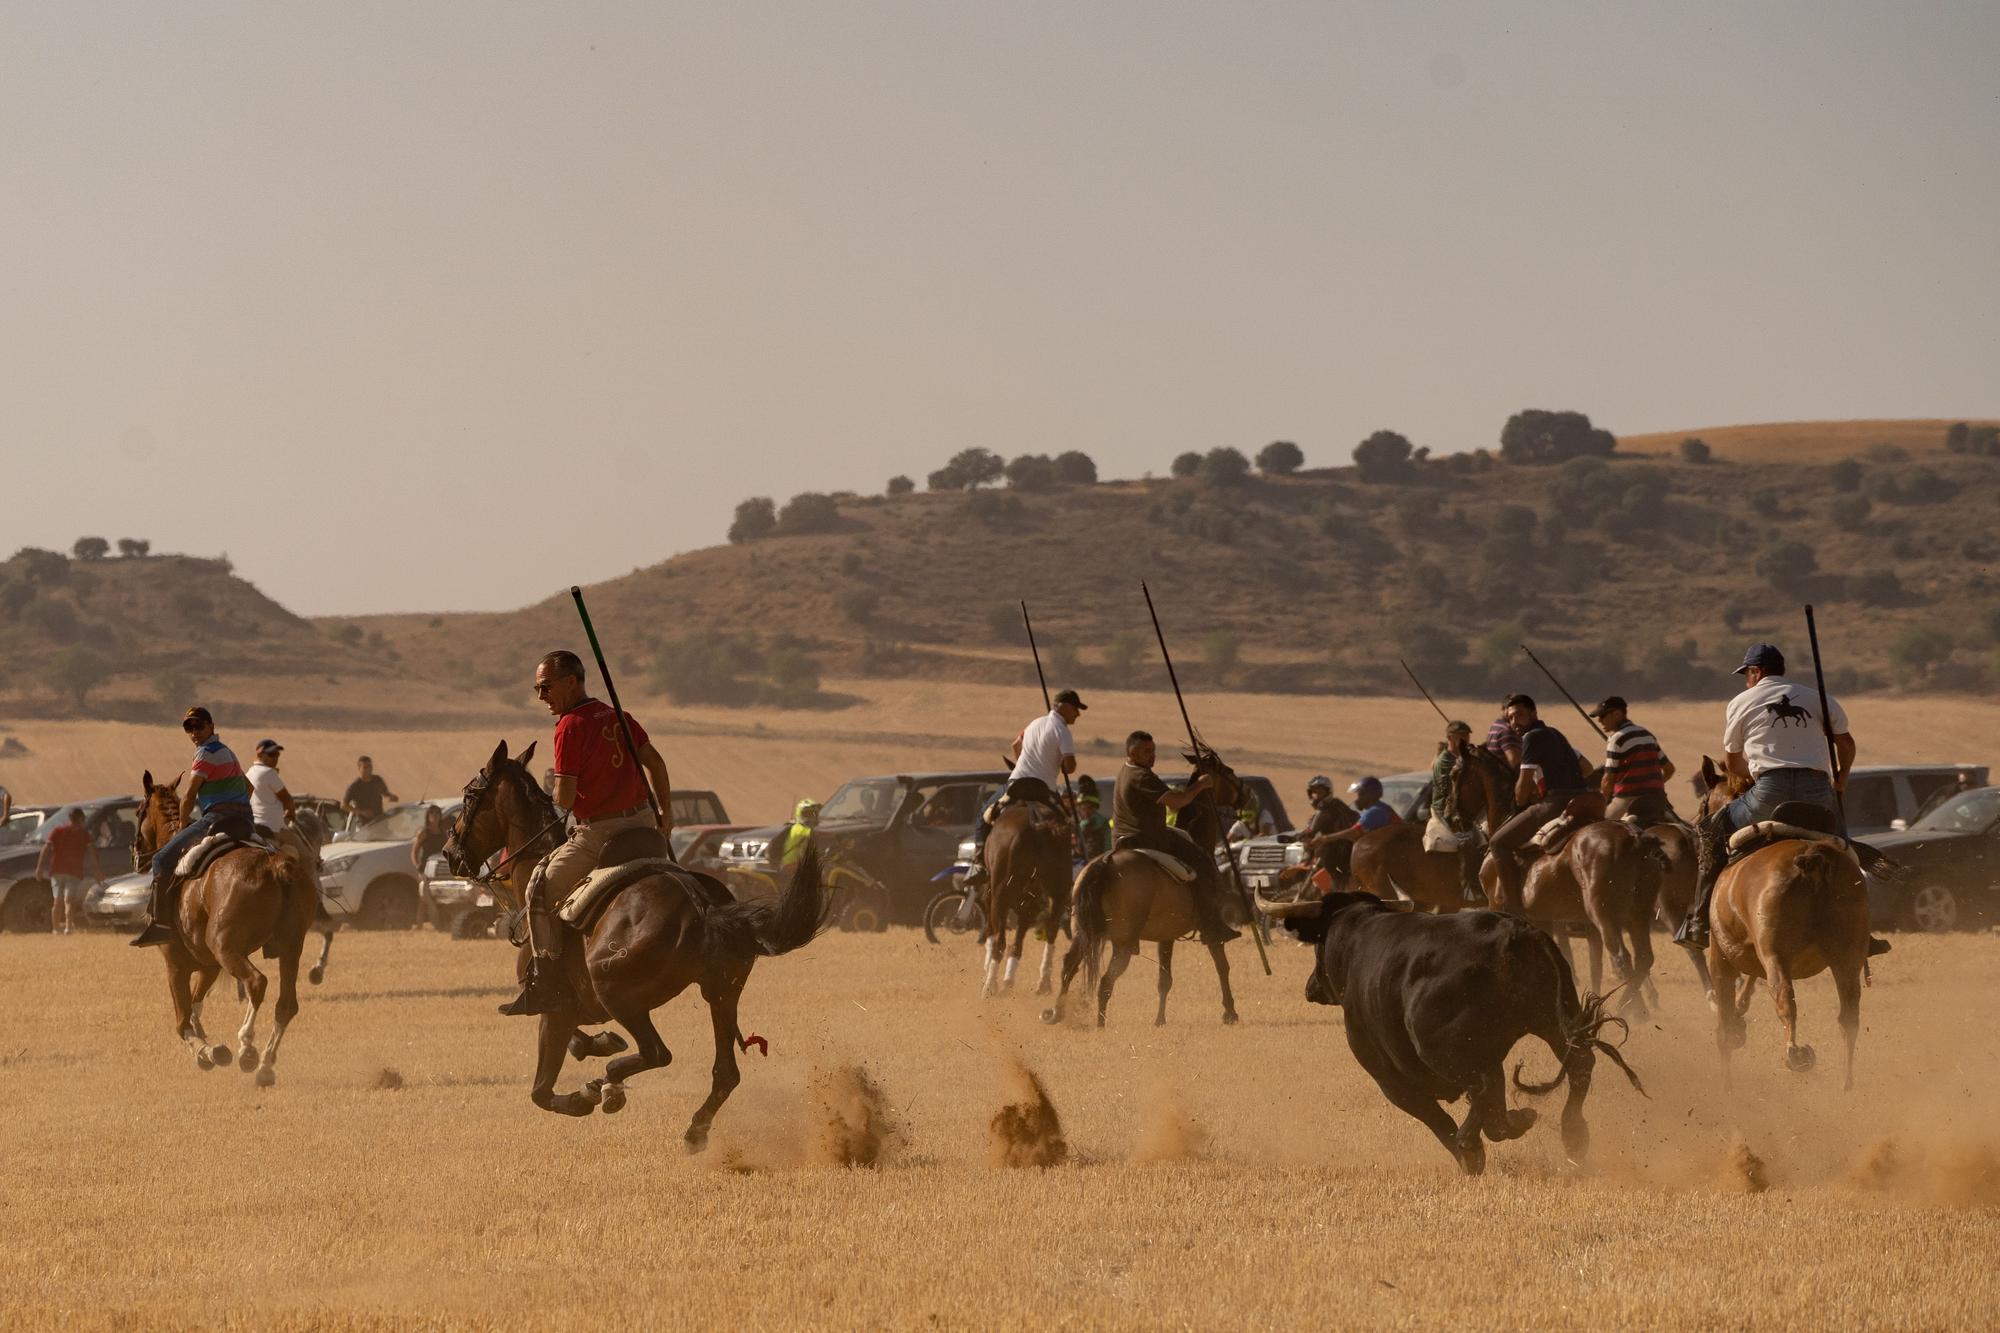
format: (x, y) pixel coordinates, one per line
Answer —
(651, 1053)
(204, 980)
(721, 997)
(318, 973)
(1121, 958)
(1043, 984)
(1594, 942)
(186, 1026)
(1728, 1017)
(996, 942)
(287, 1009)
(1642, 962)
(1166, 980)
(1847, 984)
(1221, 958)
(251, 980)
(1778, 976)
(1023, 920)
(551, 1049)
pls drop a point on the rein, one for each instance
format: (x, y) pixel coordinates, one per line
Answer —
(488, 878)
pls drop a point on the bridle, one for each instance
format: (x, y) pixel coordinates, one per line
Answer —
(475, 791)
(170, 815)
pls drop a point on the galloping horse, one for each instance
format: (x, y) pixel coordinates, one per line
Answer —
(244, 901)
(1391, 862)
(660, 933)
(1784, 912)
(1608, 876)
(1126, 896)
(1027, 875)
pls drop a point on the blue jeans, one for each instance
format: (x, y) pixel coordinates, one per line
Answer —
(235, 822)
(1775, 786)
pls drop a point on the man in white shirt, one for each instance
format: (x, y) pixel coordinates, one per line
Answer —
(1772, 737)
(270, 804)
(1043, 754)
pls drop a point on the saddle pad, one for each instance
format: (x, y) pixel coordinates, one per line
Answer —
(1438, 836)
(1166, 863)
(1551, 836)
(587, 901)
(215, 844)
(1770, 830)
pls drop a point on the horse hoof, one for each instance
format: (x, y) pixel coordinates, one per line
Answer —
(593, 1091)
(1229, 1019)
(316, 975)
(201, 1061)
(247, 1061)
(614, 1098)
(1052, 1016)
(266, 1077)
(1161, 1021)
(1800, 1059)
(221, 1055)
(1045, 989)
(695, 1140)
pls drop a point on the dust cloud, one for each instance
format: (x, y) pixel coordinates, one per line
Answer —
(855, 1127)
(1027, 1132)
(1169, 1132)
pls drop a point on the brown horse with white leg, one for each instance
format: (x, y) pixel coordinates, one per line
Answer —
(1786, 911)
(1125, 897)
(246, 901)
(1027, 878)
(1391, 862)
(662, 932)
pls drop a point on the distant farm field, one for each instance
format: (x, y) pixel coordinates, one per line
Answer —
(1244, 1176)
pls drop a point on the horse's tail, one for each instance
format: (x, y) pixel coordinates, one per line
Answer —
(1089, 905)
(756, 927)
(1815, 868)
(1581, 1023)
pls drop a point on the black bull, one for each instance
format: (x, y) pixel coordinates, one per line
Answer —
(1433, 1004)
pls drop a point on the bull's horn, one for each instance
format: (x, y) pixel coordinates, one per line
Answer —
(1278, 911)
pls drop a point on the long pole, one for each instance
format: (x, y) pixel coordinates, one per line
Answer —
(1421, 690)
(1826, 722)
(1075, 815)
(624, 724)
(1235, 871)
(1565, 693)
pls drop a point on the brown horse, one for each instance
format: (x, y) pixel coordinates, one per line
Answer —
(1677, 888)
(1027, 877)
(1784, 912)
(1607, 876)
(1391, 862)
(244, 902)
(660, 934)
(1124, 897)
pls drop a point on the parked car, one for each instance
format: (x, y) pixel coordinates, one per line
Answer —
(120, 903)
(25, 901)
(366, 879)
(23, 822)
(1953, 859)
(1883, 797)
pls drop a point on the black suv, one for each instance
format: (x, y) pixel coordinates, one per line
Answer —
(1953, 855)
(24, 900)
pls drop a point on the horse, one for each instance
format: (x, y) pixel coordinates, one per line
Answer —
(245, 900)
(1124, 897)
(1391, 862)
(662, 932)
(1677, 889)
(1027, 876)
(1788, 910)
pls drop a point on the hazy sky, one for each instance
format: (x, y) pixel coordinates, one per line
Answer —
(430, 306)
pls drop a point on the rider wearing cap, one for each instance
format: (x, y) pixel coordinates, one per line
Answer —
(1551, 777)
(221, 794)
(1331, 816)
(1446, 772)
(1043, 754)
(271, 806)
(1771, 739)
(1635, 768)
(605, 791)
(1091, 825)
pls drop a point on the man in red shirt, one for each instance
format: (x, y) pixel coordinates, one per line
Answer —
(61, 864)
(605, 792)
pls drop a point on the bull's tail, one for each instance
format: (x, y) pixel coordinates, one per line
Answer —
(754, 928)
(1582, 1024)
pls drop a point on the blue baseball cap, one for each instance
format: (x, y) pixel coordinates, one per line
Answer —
(1763, 656)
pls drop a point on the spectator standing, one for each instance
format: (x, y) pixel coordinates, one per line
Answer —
(271, 805)
(6, 806)
(429, 841)
(368, 793)
(61, 864)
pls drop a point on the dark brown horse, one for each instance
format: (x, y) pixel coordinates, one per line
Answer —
(1606, 876)
(1124, 897)
(1784, 912)
(1391, 862)
(659, 935)
(246, 901)
(1027, 878)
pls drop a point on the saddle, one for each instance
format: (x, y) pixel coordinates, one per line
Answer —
(1793, 821)
(1550, 838)
(1167, 863)
(198, 857)
(1021, 792)
(587, 901)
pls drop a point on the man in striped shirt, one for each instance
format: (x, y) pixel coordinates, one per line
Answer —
(1635, 768)
(217, 801)
(1503, 740)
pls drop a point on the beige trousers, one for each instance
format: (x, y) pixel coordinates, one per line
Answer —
(564, 868)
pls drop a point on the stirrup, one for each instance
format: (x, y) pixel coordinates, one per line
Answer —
(155, 933)
(1691, 934)
(539, 995)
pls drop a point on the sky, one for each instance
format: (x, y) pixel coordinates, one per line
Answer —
(447, 306)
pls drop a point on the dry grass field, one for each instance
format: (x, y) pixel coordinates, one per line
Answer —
(1245, 1177)
(762, 760)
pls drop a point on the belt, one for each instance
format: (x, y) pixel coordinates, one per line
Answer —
(613, 814)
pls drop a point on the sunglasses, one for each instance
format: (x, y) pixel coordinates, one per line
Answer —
(542, 688)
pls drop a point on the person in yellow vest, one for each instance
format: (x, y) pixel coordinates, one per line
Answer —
(792, 845)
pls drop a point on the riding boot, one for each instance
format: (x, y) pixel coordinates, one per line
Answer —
(159, 913)
(1469, 886)
(1507, 866)
(1693, 930)
(546, 990)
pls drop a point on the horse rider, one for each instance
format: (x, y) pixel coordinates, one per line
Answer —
(790, 848)
(219, 791)
(271, 805)
(1331, 816)
(1043, 754)
(1370, 810)
(1139, 820)
(1771, 739)
(1091, 824)
(597, 782)
(1551, 776)
(1446, 772)
(1503, 740)
(1636, 769)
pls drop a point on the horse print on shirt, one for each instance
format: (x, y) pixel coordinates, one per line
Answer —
(1785, 711)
